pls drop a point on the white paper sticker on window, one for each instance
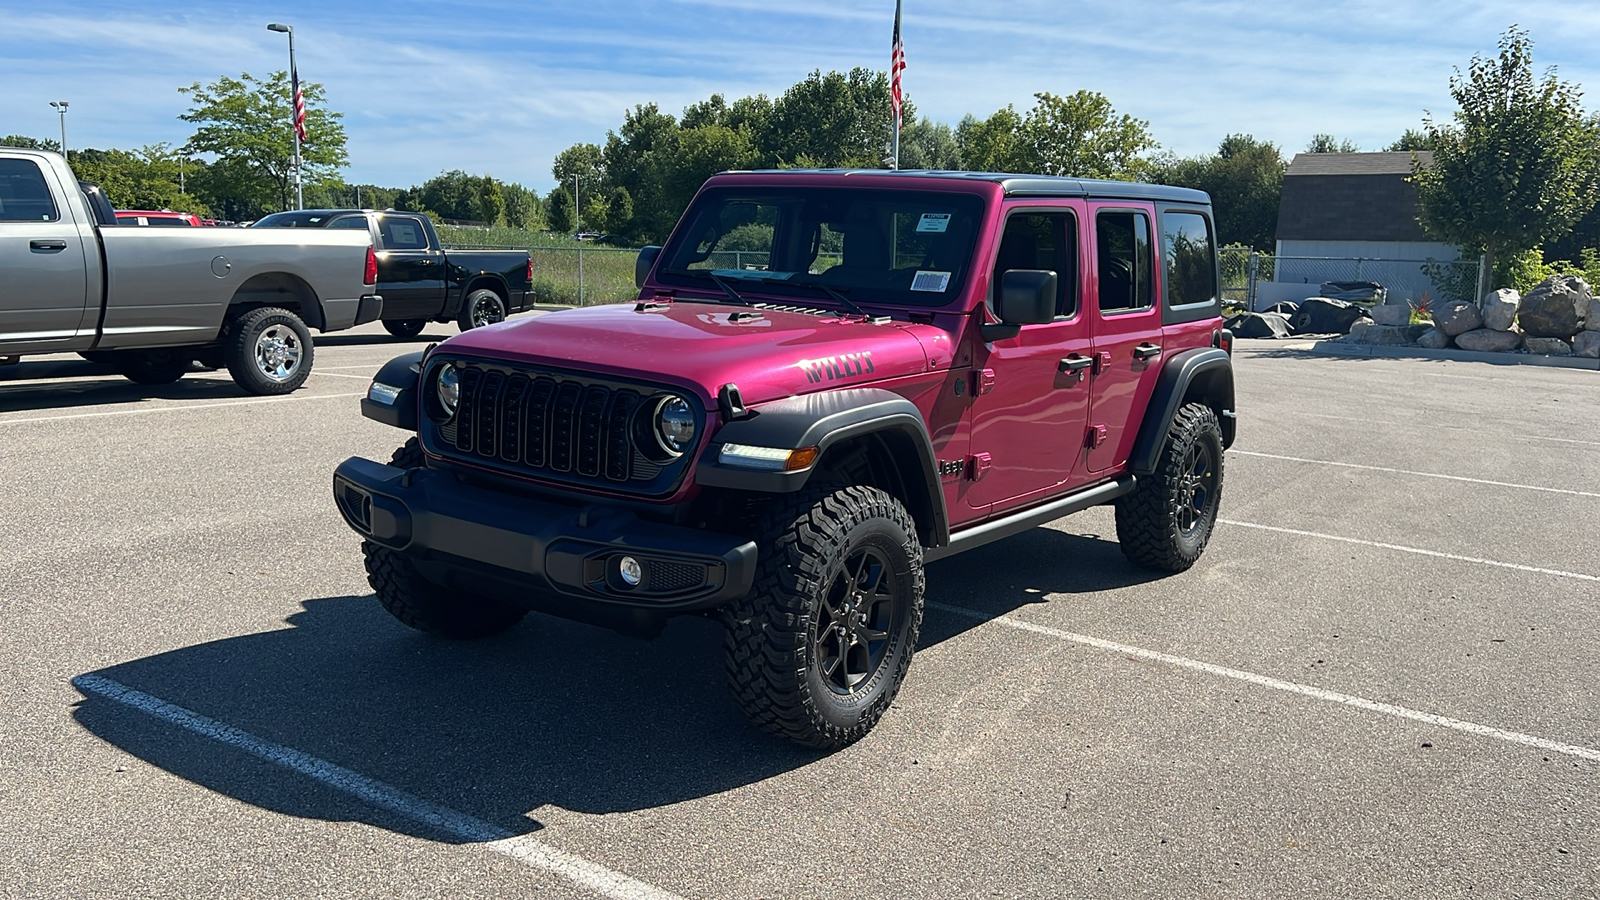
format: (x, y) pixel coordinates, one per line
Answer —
(934, 222)
(935, 282)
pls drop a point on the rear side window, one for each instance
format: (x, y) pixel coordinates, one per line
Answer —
(402, 234)
(349, 222)
(1123, 250)
(1188, 252)
(1043, 240)
(24, 194)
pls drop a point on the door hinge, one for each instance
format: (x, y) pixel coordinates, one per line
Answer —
(984, 382)
(1097, 435)
(978, 465)
(1102, 361)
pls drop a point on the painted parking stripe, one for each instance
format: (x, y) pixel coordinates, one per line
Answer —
(1345, 465)
(1278, 684)
(530, 852)
(185, 408)
(1368, 420)
(1417, 550)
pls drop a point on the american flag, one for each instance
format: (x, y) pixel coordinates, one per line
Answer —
(897, 64)
(299, 105)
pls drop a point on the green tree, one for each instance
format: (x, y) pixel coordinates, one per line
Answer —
(558, 211)
(1245, 180)
(245, 122)
(491, 202)
(147, 178)
(1518, 165)
(1413, 139)
(1082, 135)
(523, 209)
(994, 144)
(832, 120)
(24, 142)
(926, 144)
(1327, 143)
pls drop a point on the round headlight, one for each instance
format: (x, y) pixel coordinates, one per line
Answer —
(675, 424)
(449, 389)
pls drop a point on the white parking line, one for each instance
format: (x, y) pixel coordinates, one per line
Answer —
(186, 408)
(342, 375)
(1367, 420)
(1345, 465)
(1278, 684)
(530, 852)
(1417, 550)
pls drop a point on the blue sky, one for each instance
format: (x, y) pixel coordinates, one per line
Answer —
(501, 87)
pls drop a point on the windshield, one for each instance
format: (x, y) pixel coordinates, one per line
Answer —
(903, 248)
(294, 219)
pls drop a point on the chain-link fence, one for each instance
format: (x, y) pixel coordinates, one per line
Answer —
(577, 276)
(1253, 280)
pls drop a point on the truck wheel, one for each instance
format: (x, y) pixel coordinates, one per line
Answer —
(482, 307)
(269, 351)
(420, 603)
(152, 366)
(404, 328)
(1166, 522)
(817, 650)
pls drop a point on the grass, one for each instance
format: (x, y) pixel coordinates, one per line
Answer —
(607, 271)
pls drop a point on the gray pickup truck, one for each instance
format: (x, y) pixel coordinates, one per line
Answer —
(154, 301)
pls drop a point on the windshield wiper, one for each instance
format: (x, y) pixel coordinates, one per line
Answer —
(848, 304)
(728, 289)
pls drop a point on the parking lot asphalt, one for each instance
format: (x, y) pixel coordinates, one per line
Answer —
(1378, 681)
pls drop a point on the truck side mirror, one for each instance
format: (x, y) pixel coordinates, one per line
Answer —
(643, 263)
(1025, 297)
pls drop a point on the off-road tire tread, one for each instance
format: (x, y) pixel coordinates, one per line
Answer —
(1147, 523)
(767, 631)
(420, 604)
(240, 352)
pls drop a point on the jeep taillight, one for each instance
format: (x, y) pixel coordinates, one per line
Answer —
(370, 274)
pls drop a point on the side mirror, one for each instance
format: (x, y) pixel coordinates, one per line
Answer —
(1025, 297)
(643, 264)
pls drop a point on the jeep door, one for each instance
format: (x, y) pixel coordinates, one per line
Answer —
(1031, 396)
(1126, 322)
(45, 258)
(411, 271)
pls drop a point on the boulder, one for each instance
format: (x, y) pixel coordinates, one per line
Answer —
(1587, 345)
(1591, 322)
(1556, 308)
(1415, 332)
(1547, 346)
(1319, 315)
(1392, 314)
(1434, 339)
(1259, 325)
(1488, 339)
(1455, 317)
(1499, 309)
(1367, 332)
(1286, 308)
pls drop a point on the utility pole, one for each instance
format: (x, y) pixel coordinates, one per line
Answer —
(61, 107)
(294, 110)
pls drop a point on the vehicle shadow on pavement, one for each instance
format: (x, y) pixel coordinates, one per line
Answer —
(552, 714)
(430, 335)
(29, 386)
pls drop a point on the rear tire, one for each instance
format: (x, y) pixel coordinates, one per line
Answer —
(1167, 521)
(404, 328)
(420, 603)
(153, 366)
(482, 307)
(269, 351)
(818, 649)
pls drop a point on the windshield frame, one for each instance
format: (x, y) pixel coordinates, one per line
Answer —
(968, 210)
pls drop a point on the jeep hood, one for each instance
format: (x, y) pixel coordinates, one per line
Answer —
(768, 353)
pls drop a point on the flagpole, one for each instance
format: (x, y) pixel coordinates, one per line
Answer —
(299, 197)
(897, 62)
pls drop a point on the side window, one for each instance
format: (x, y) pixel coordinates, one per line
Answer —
(401, 233)
(1189, 258)
(1043, 240)
(24, 194)
(1124, 259)
(351, 222)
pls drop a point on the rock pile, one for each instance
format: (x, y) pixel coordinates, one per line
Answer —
(1560, 317)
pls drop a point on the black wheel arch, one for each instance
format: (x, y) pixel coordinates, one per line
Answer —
(281, 290)
(405, 373)
(1202, 375)
(492, 281)
(876, 436)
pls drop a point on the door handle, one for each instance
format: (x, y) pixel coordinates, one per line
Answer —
(1074, 363)
(47, 245)
(1146, 350)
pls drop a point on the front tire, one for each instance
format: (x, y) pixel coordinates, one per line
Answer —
(818, 649)
(420, 603)
(404, 328)
(269, 351)
(1167, 521)
(482, 307)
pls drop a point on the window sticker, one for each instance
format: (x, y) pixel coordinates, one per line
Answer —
(935, 223)
(934, 282)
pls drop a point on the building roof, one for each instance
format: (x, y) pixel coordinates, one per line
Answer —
(1351, 197)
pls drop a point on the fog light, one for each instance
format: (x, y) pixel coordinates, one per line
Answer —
(631, 572)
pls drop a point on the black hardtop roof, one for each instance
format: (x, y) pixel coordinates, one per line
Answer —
(1016, 185)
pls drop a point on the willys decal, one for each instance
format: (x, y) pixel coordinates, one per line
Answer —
(835, 368)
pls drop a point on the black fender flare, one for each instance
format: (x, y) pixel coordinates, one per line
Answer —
(824, 420)
(482, 278)
(405, 373)
(1204, 375)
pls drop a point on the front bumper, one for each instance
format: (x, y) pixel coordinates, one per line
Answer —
(550, 554)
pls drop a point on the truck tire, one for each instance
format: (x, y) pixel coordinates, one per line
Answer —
(420, 603)
(404, 328)
(269, 351)
(152, 366)
(482, 307)
(1167, 521)
(818, 649)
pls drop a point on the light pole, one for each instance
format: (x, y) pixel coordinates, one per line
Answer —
(294, 112)
(61, 107)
